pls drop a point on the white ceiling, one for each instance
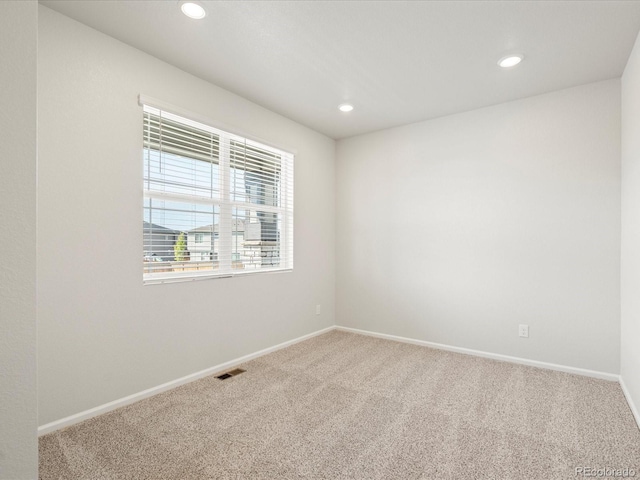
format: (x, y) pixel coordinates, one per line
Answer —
(397, 62)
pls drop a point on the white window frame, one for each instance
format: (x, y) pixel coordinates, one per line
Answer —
(226, 205)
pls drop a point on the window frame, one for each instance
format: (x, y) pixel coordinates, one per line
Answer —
(225, 203)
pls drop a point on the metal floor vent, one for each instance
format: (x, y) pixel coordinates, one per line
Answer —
(230, 373)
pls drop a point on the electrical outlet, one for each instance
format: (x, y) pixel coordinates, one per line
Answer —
(523, 331)
(317, 309)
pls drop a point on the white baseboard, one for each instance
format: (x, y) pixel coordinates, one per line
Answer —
(632, 406)
(495, 356)
(107, 407)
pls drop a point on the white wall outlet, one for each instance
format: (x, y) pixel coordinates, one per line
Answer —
(317, 309)
(523, 331)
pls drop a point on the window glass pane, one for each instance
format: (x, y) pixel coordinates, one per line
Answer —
(192, 231)
(170, 173)
(255, 175)
(256, 242)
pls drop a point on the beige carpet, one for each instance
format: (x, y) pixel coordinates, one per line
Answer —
(347, 406)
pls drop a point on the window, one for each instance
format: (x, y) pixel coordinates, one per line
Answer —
(215, 204)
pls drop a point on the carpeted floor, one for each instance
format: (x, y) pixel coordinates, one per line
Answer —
(348, 406)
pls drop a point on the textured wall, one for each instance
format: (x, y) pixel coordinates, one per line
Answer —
(102, 334)
(18, 46)
(458, 229)
(630, 355)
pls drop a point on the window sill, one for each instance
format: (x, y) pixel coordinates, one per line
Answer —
(158, 280)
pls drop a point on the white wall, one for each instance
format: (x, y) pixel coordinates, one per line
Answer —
(630, 354)
(18, 408)
(458, 229)
(102, 334)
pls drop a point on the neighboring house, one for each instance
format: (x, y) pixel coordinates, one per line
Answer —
(158, 241)
(248, 250)
(203, 242)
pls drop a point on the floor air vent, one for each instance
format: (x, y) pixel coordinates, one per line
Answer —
(230, 373)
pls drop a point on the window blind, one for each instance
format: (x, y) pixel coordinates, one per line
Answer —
(215, 203)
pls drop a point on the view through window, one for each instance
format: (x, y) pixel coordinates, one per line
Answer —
(215, 204)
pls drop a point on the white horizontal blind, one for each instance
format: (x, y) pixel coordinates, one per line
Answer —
(215, 204)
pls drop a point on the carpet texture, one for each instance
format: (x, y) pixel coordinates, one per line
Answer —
(347, 406)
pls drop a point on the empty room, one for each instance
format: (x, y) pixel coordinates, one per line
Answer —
(319, 239)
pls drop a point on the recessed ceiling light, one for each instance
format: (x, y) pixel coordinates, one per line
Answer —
(345, 107)
(193, 10)
(510, 61)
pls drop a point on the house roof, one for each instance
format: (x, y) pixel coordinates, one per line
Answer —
(238, 225)
(153, 227)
